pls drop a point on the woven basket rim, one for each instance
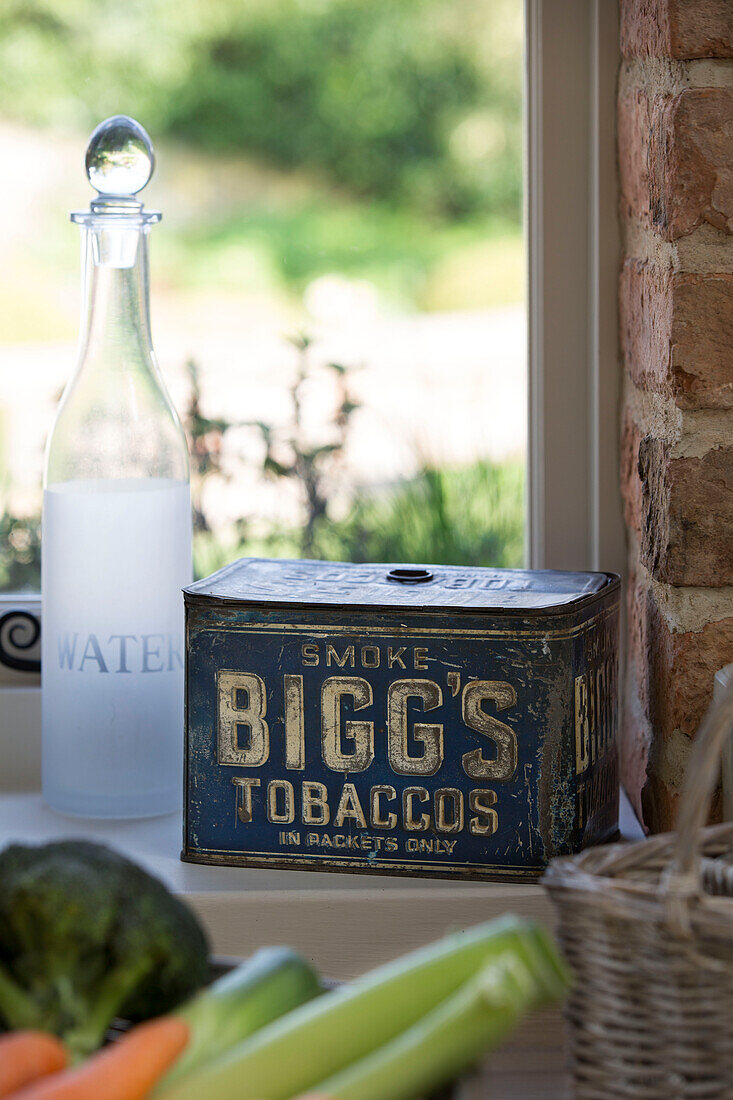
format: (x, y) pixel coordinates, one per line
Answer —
(612, 861)
(602, 876)
(647, 930)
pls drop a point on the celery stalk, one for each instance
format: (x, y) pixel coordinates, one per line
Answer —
(448, 1040)
(268, 985)
(314, 1042)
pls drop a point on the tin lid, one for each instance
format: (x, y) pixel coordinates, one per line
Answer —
(429, 587)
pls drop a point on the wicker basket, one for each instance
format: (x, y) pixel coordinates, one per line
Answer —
(648, 930)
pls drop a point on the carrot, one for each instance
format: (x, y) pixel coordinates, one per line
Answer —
(27, 1055)
(126, 1070)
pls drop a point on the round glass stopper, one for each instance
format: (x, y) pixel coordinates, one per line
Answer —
(120, 158)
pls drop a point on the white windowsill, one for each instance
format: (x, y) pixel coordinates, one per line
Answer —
(156, 843)
(345, 922)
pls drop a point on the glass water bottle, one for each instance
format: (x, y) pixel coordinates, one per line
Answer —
(116, 524)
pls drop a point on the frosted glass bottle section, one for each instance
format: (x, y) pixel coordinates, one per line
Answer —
(116, 555)
(116, 529)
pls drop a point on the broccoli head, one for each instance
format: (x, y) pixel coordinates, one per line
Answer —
(85, 936)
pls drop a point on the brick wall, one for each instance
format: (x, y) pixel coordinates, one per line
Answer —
(675, 137)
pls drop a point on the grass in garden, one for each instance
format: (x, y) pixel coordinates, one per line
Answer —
(472, 515)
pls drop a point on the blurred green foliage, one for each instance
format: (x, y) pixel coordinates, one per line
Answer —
(404, 121)
(471, 515)
(372, 93)
(468, 515)
(417, 102)
(413, 259)
(20, 552)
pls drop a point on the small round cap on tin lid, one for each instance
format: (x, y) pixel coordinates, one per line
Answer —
(409, 574)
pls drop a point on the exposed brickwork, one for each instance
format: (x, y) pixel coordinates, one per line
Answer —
(678, 29)
(680, 510)
(673, 675)
(631, 491)
(702, 339)
(677, 173)
(677, 333)
(686, 520)
(675, 142)
(634, 126)
(675, 669)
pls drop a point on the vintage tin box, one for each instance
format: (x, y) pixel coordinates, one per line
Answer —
(423, 720)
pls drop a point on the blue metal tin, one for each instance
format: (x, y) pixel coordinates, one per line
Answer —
(423, 720)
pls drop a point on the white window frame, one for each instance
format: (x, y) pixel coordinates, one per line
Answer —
(574, 506)
(574, 511)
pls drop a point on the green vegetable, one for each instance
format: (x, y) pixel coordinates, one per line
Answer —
(86, 935)
(268, 985)
(451, 1038)
(318, 1040)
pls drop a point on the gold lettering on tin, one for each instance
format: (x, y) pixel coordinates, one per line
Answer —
(504, 764)
(582, 726)
(414, 824)
(347, 657)
(334, 689)
(454, 682)
(481, 802)
(294, 723)
(430, 734)
(377, 792)
(600, 694)
(349, 808)
(595, 695)
(315, 804)
(370, 656)
(394, 656)
(286, 816)
(421, 654)
(448, 810)
(242, 702)
(245, 785)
